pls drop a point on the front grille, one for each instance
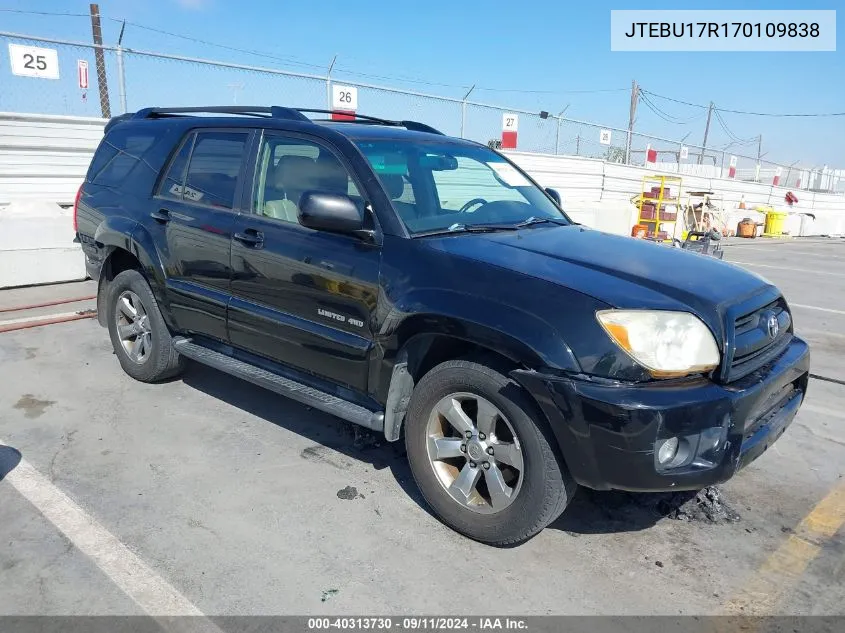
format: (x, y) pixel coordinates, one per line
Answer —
(753, 344)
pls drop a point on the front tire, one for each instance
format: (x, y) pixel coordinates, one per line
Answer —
(483, 456)
(139, 335)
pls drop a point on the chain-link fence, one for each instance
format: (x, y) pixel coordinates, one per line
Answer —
(129, 79)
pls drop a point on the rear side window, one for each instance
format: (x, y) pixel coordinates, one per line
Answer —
(121, 151)
(173, 184)
(214, 168)
(206, 169)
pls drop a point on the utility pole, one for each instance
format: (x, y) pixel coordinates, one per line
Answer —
(632, 116)
(102, 82)
(578, 144)
(706, 132)
(759, 156)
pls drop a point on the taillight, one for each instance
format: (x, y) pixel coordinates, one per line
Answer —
(76, 209)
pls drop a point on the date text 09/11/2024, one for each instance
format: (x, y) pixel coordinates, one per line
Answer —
(386, 623)
(723, 29)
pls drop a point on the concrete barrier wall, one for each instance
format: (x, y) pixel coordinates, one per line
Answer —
(599, 193)
(45, 157)
(43, 160)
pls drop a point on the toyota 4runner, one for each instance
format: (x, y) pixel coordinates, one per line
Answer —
(426, 287)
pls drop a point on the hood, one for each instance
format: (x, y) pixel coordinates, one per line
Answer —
(620, 271)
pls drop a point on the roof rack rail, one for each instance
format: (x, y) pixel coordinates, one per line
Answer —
(259, 111)
(408, 125)
(279, 112)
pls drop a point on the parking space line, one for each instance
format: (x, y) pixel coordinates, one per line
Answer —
(806, 307)
(784, 568)
(796, 270)
(147, 589)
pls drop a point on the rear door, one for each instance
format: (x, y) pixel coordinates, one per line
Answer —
(192, 219)
(300, 296)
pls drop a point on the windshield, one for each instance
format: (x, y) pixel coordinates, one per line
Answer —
(442, 186)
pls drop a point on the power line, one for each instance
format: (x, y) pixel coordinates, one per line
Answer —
(24, 11)
(731, 135)
(554, 92)
(665, 115)
(730, 111)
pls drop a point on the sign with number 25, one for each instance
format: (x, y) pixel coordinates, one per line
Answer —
(32, 61)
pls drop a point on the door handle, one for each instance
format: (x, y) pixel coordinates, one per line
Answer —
(250, 237)
(162, 215)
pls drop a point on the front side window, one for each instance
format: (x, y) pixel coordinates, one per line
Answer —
(289, 167)
(434, 186)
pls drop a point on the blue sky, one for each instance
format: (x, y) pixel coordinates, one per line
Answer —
(533, 54)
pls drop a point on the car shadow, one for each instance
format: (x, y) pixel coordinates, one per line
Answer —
(9, 460)
(590, 512)
(328, 433)
(615, 511)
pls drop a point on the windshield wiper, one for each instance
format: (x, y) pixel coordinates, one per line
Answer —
(470, 228)
(535, 220)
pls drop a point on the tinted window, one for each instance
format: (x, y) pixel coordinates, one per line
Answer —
(120, 152)
(288, 168)
(171, 185)
(214, 168)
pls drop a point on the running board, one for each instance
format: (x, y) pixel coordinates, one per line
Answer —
(290, 388)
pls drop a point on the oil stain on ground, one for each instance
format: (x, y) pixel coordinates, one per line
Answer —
(349, 493)
(32, 407)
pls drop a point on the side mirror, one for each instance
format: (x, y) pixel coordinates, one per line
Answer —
(554, 195)
(331, 212)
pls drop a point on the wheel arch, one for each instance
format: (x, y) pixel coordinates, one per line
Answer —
(128, 246)
(424, 341)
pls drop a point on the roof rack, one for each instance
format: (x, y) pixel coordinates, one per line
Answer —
(408, 125)
(259, 111)
(294, 114)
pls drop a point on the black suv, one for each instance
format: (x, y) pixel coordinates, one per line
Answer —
(425, 286)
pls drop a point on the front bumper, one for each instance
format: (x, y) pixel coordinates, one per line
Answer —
(608, 431)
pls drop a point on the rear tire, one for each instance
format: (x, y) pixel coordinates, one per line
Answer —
(139, 336)
(518, 483)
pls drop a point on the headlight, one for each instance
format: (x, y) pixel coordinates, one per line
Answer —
(667, 344)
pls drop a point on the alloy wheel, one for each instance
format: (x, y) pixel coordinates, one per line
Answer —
(474, 452)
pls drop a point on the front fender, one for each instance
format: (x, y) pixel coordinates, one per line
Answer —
(519, 335)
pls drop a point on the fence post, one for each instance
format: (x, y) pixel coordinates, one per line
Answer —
(329, 84)
(464, 109)
(557, 136)
(121, 80)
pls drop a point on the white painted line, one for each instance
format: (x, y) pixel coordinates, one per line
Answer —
(40, 317)
(797, 270)
(149, 590)
(806, 307)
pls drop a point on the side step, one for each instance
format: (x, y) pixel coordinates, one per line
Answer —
(294, 390)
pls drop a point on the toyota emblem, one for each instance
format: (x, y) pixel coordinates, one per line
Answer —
(773, 326)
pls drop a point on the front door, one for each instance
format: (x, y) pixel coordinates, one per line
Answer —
(193, 217)
(299, 296)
